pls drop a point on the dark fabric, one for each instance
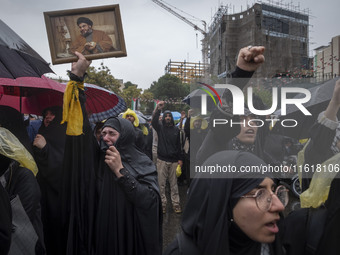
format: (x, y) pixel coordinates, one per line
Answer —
(12, 120)
(274, 146)
(78, 190)
(5, 222)
(129, 212)
(21, 181)
(208, 213)
(140, 140)
(329, 243)
(295, 232)
(318, 149)
(50, 164)
(148, 142)
(169, 143)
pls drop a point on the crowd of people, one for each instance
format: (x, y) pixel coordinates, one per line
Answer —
(102, 190)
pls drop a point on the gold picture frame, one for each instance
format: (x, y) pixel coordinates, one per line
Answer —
(87, 30)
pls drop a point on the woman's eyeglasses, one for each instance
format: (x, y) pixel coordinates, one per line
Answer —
(264, 197)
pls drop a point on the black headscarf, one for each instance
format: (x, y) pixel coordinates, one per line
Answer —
(208, 213)
(138, 163)
(12, 120)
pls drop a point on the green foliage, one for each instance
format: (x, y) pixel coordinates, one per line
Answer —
(147, 105)
(129, 93)
(102, 77)
(129, 84)
(169, 87)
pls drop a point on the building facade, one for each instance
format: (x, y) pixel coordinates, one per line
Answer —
(283, 31)
(327, 60)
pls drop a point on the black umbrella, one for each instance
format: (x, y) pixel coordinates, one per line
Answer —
(17, 58)
(320, 97)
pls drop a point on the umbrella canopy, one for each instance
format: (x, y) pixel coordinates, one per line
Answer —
(320, 97)
(17, 58)
(31, 94)
(102, 103)
(176, 115)
(36, 94)
(194, 98)
(142, 119)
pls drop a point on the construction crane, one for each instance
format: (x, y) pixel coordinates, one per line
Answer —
(205, 47)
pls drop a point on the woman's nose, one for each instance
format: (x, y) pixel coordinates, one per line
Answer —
(277, 205)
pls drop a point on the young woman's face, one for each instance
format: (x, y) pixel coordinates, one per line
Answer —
(110, 135)
(49, 117)
(258, 225)
(248, 132)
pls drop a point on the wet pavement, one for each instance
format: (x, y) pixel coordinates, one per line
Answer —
(172, 221)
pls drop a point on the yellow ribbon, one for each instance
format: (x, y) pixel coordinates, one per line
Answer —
(72, 112)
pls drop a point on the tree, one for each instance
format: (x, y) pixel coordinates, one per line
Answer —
(102, 77)
(169, 86)
(129, 93)
(147, 102)
(129, 84)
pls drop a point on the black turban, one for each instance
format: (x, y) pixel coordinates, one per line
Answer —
(84, 20)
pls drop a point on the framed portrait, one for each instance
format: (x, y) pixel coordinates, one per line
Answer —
(96, 32)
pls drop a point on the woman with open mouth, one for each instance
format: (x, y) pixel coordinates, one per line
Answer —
(235, 215)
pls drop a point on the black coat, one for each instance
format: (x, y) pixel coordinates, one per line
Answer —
(169, 142)
(5, 222)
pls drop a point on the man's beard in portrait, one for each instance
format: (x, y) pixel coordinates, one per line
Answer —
(86, 33)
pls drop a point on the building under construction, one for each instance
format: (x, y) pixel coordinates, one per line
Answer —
(187, 72)
(282, 29)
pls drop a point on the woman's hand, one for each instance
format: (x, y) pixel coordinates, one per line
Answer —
(39, 141)
(250, 58)
(113, 160)
(79, 68)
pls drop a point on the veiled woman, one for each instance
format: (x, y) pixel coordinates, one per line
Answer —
(235, 215)
(129, 213)
(49, 147)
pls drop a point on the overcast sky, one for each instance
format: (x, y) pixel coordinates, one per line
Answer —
(153, 36)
